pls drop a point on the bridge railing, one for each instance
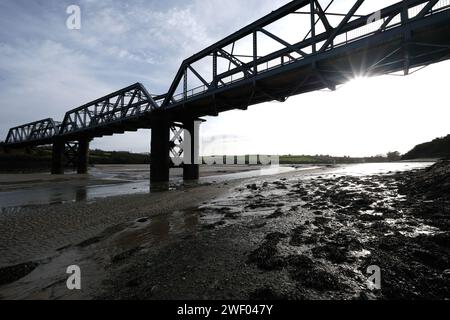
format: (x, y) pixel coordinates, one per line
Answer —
(352, 27)
(122, 105)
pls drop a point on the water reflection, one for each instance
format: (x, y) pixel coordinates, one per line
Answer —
(159, 228)
(60, 193)
(265, 171)
(366, 169)
(66, 193)
(81, 194)
(159, 186)
(149, 231)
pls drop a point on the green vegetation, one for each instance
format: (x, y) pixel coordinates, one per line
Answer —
(117, 157)
(438, 148)
(326, 159)
(39, 159)
(25, 161)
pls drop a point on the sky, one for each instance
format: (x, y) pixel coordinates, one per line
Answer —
(47, 69)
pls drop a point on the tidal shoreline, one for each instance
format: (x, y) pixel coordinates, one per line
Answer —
(297, 235)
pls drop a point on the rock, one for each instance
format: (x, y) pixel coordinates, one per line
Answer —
(257, 225)
(277, 213)
(297, 236)
(212, 226)
(266, 255)
(252, 186)
(363, 296)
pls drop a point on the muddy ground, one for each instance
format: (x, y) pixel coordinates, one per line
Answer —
(284, 237)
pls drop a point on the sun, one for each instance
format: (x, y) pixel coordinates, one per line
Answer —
(359, 82)
(361, 87)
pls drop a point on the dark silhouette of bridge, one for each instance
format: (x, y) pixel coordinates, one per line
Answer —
(398, 38)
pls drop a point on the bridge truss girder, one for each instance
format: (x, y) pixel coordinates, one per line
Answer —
(127, 104)
(351, 27)
(38, 131)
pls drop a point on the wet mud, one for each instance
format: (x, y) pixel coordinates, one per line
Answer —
(308, 238)
(293, 236)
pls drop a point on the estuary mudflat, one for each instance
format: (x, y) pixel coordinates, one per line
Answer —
(306, 234)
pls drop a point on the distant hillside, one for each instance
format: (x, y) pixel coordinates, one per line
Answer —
(438, 148)
(327, 159)
(117, 157)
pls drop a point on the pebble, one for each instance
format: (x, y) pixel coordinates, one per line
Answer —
(154, 290)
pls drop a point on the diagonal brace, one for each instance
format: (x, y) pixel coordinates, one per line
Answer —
(343, 22)
(426, 9)
(238, 63)
(321, 13)
(285, 43)
(199, 77)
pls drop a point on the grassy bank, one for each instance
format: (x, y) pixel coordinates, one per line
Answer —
(325, 159)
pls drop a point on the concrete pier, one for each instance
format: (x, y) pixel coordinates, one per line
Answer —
(191, 167)
(58, 157)
(83, 156)
(159, 157)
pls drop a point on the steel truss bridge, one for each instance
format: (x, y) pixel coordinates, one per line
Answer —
(336, 47)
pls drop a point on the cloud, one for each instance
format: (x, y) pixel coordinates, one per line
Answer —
(44, 81)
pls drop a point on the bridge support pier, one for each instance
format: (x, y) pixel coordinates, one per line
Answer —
(191, 167)
(83, 156)
(58, 157)
(159, 155)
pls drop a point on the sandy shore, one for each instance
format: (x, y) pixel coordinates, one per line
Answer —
(104, 174)
(298, 235)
